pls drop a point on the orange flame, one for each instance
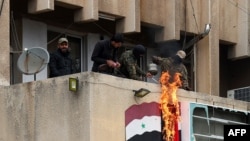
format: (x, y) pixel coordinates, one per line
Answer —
(169, 103)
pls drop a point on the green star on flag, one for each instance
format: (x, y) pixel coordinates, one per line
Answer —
(143, 125)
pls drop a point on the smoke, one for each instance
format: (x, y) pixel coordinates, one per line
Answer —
(169, 48)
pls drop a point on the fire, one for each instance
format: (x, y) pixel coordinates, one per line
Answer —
(169, 104)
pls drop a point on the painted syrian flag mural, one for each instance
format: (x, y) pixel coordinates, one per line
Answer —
(143, 122)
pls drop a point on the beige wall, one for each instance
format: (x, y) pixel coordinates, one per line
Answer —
(47, 110)
(5, 44)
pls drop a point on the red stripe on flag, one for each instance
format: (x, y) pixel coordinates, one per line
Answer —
(139, 111)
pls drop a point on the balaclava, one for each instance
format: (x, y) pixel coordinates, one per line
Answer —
(138, 50)
(178, 58)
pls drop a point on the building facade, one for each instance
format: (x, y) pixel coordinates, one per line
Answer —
(217, 62)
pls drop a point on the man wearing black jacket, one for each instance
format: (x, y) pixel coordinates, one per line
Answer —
(60, 62)
(104, 55)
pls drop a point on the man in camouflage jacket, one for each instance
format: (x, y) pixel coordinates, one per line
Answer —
(129, 67)
(173, 65)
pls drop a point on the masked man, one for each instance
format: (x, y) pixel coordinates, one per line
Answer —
(174, 65)
(128, 61)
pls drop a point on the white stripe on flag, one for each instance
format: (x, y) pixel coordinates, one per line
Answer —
(146, 124)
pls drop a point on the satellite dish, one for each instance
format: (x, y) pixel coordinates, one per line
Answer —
(33, 60)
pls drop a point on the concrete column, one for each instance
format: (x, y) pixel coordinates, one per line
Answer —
(88, 13)
(39, 6)
(207, 67)
(171, 30)
(132, 20)
(241, 49)
(5, 44)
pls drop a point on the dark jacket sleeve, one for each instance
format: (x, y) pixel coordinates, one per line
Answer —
(140, 71)
(52, 66)
(60, 64)
(96, 55)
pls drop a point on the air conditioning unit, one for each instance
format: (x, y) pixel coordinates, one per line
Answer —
(240, 94)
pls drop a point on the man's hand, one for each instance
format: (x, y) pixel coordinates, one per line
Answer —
(117, 65)
(113, 64)
(156, 60)
(149, 75)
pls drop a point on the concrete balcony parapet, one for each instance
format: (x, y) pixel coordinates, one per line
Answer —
(47, 110)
